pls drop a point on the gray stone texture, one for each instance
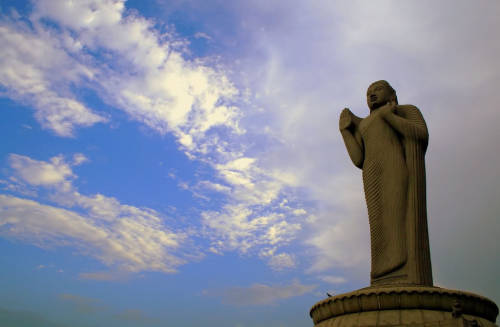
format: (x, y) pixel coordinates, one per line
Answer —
(405, 306)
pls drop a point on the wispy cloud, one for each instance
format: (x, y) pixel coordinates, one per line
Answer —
(144, 71)
(126, 237)
(253, 217)
(282, 261)
(148, 76)
(57, 172)
(41, 78)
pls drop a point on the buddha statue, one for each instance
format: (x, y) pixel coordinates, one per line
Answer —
(389, 146)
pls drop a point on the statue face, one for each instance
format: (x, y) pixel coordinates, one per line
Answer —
(377, 95)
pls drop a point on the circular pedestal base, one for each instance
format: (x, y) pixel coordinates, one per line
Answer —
(405, 306)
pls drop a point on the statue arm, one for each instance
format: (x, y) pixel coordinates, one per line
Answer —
(408, 121)
(354, 147)
(348, 124)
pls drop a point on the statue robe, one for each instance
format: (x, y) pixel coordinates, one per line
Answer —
(393, 146)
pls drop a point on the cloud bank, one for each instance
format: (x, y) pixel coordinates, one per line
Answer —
(121, 236)
(142, 68)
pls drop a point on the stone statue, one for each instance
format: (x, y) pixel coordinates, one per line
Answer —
(389, 146)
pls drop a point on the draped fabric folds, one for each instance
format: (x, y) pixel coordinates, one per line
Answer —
(394, 143)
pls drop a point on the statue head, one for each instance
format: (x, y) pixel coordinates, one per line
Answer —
(380, 93)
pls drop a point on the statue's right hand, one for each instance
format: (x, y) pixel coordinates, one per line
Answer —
(345, 120)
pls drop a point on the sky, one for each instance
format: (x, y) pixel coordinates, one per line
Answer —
(178, 163)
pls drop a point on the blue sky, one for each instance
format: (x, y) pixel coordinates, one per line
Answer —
(178, 163)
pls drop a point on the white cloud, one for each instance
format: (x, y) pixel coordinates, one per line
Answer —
(299, 212)
(158, 87)
(146, 76)
(33, 65)
(278, 261)
(130, 244)
(79, 158)
(215, 186)
(145, 73)
(282, 261)
(250, 183)
(41, 173)
(237, 227)
(126, 237)
(253, 218)
(22, 217)
(201, 35)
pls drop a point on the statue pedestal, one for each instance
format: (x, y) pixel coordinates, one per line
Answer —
(405, 306)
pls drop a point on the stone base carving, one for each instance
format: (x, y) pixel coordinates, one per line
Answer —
(405, 306)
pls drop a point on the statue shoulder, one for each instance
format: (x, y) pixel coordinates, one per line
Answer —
(408, 110)
(409, 107)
